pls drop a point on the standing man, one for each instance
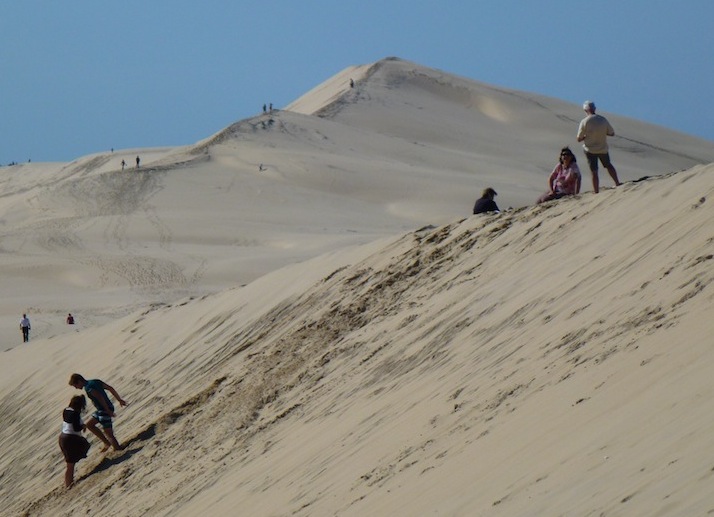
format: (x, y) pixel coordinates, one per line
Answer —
(593, 132)
(25, 327)
(97, 392)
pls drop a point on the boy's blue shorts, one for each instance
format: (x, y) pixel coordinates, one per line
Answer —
(103, 418)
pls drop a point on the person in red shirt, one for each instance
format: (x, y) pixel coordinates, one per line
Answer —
(565, 178)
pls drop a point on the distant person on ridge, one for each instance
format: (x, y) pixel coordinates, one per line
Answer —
(565, 178)
(593, 132)
(95, 389)
(486, 203)
(123, 164)
(70, 319)
(25, 327)
(137, 162)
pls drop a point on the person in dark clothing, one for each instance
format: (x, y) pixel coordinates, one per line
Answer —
(74, 446)
(486, 203)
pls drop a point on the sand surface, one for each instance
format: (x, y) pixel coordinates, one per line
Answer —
(306, 319)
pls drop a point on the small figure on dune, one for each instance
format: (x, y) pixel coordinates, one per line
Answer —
(265, 108)
(352, 83)
(138, 161)
(25, 328)
(96, 391)
(486, 203)
(261, 168)
(565, 178)
(70, 319)
(73, 445)
(123, 164)
(593, 132)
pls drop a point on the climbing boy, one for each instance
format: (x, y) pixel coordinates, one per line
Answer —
(97, 392)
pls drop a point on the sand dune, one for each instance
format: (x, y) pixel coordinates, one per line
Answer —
(406, 147)
(387, 354)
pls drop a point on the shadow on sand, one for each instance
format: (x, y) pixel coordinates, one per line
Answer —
(108, 462)
(126, 453)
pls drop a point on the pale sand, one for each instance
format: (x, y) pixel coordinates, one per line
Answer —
(551, 360)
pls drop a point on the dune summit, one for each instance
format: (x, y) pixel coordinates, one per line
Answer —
(550, 360)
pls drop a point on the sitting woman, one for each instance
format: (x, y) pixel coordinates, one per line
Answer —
(565, 178)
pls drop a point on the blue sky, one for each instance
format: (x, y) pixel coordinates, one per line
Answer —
(83, 77)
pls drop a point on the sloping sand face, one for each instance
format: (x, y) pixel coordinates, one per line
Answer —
(554, 359)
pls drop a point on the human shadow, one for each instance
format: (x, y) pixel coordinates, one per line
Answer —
(108, 462)
(126, 453)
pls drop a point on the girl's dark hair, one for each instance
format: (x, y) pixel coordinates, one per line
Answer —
(566, 150)
(78, 403)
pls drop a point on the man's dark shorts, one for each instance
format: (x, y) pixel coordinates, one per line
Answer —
(103, 418)
(593, 159)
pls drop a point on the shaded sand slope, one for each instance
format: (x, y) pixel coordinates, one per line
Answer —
(406, 147)
(555, 360)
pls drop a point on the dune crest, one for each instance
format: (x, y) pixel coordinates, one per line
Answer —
(403, 147)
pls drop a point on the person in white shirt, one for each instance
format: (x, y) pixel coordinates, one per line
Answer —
(25, 327)
(593, 132)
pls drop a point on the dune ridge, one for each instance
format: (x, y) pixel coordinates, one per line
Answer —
(407, 146)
